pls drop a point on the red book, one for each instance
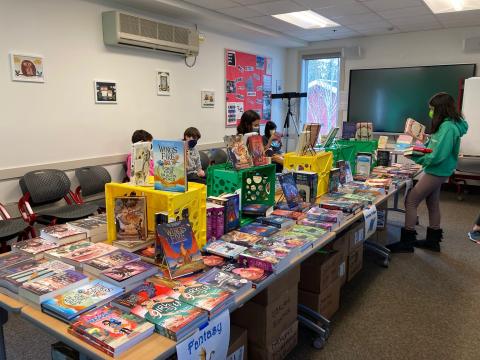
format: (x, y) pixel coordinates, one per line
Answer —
(256, 149)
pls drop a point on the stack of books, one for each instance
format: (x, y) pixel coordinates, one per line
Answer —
(116, 258)
(231, 205)
(80, 256)
(307, 184)
(215, 221)
(225, 249)
(259, 229)
(129, 275)
(252, 273)
(323, 218)
(62, 234)
(138, 295)
(416, 151)
(241, 238)
(95, 227)
(276, 221)
(34, 248)
(226, 280)
(256, 210)
(294, 215)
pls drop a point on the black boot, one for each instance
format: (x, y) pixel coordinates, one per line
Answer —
(405, 245)
(432, 242)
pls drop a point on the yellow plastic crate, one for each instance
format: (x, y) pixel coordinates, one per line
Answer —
(321, 163)
(195, 200)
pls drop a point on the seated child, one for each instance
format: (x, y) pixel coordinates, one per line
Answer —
(273, 144)
(195, 172)
(139, 135)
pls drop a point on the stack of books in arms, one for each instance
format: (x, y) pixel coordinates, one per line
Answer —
(416, 151)
(34, 248)
(116, 258)
(129, 275)
(73, 303)
(111, 330)
(95, 227)
(62, 234)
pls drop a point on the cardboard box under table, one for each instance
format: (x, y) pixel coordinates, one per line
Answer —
(325, 303)
(174, 202)
(237, 348)
(319, 271)
(280, 347)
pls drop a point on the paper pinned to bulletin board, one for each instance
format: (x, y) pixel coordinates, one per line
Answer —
(248, 85)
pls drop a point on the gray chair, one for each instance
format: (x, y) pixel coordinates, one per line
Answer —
(47, 187)
(204, 159)
(11, 228)
(219, 156)
(92, 180)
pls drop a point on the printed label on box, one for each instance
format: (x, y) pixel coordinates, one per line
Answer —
(237, 355)
(342, 269)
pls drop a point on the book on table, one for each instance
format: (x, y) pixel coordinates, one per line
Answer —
(60, 252)
(12, 258)
(231, 209)
(225, 249)
(257, 210)
(241, 238)
(139, 294)
(130, 274)
(264, 258)
(170, 167)
(276, 221)
(252, 273)
(294, 215)
(140, 163)
(226, 280)
(133, 245)
(34, 247)
(131, 218)
(78, 257)
(118, 257)
(259, 229)
(96, 228)
(62, 234)
(348, 130)
(290, 190)
(307, 184)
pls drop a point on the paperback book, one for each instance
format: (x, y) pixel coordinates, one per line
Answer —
(95, 228)
(34, 247)
(231, 209)
(140, 294)
(131, 218)
(140, 165)
(276, 221)
(404, 141)
(251, 273)
(307, 184)
(129, 274)
(60, 252)
(415, 129)
(329, 226)
(241, 238)
(238, 152)
(62, 234)
(294, 215)
(170, 169)
(364, 131)
(290, 190)
(259, 229)
(12, 258)
(118, 257)
(364, 164)
(226, 280)
(133, 245)
(342, 173)
(213, 260)
(263, 258)
(82, 255)
(349, 130)
(257, 210)
(255, 147)
(176, 248)
(217, 219)
(225, 249)
(324, 215)
(77, 301)
(334, 180)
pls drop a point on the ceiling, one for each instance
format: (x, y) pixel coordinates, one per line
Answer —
(356, 17)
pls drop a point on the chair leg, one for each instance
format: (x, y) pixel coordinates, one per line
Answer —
(4, 248)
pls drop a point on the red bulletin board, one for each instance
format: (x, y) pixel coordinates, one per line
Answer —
(248, 85)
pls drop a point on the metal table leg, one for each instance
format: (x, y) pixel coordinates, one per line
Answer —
(379, 250)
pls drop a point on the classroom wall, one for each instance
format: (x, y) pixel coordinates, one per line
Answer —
(58, 120)
(395, 50)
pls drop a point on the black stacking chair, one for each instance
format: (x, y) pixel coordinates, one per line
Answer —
(205, 160)
(47, 187)
(92, 180)
(219, 156)
(11, 228)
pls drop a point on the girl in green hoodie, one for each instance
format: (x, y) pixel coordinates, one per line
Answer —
(447, 129)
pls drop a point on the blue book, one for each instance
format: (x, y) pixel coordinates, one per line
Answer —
(77, 301)
(225, 249)
(170, 169)
(276, 221)
(259, 229)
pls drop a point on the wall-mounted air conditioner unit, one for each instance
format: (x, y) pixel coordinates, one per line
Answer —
(122, 29)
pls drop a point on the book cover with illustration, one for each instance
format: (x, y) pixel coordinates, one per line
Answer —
(34, 247)
(260, 257)
(62, 234)
(307, 184)
(140, 164)
(276, 221)
(415, 129)
(82, 299)
(231, 209)
(131, 217)
(241, 238)
(170, 169)
(319, 214)
(238, 152)
(349, 130)
(342, 172)
(257, 151)
(129, 272)
(177, 245)
(259, 229)
(252, 273)
(115, 258)
(172, 318)
(12, 258)
(225, 249)
(290, 190)
(79, 256)
(257, 210)
(226, 280)
(294, 215)
(364, 131)
(334, 180)
(138, 295)
(112, 328)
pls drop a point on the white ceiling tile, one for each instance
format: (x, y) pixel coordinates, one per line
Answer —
(358, 19)
(419, 27)
(241, 12)
(409, 11)
(458, 17)
(342, 10)
(382, 5)
(379, 31)
(278, 7)
(213, 4)
(411, 20)
(316, 4)
(371, 25)
(275, 24)
(251, 2)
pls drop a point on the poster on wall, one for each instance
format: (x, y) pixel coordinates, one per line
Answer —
(208, 98)
(248, 85)
(27, 68)
(105, 92)
(163, 82)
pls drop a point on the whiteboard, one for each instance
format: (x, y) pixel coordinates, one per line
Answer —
(470, 144)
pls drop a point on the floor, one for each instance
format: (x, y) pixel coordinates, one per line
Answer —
(424, 306)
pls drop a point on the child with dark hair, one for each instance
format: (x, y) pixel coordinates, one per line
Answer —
(273, 144)
(195, 172)
(137, 136)
(249, 124)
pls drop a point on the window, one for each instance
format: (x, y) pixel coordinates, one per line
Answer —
(321, 81)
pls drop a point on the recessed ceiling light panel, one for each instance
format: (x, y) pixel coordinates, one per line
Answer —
(306, 19)
(446, 6)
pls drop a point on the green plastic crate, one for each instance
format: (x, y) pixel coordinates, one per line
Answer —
(257, 183)
(342, 152)
(365, 146)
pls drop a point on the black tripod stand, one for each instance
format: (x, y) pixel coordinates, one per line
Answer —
(286, 124)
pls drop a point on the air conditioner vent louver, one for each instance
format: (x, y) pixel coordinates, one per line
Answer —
(127, 30)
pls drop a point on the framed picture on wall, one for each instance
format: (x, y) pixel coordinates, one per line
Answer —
(163, 82)
(27, 68)
(105, 91)
(208, 98)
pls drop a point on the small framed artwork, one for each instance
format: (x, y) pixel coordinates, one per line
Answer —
(163, 82)
(27, 67)
(208, 98)
(105, 92)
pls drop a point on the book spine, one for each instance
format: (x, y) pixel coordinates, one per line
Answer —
(220, 216)
(255, 262)
(89, 342)
(209, 224)
(92, 340)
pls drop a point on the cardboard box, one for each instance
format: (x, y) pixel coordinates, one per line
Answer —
(357, 236)
(285, 281)
(319, 271)
(280, 346)
(266, 323)
(355, 262)
(341, 244)
(237, 348)
(325, 303)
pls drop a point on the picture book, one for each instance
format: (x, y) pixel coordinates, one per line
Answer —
(116, 330)
(349, 130)
(364, 164)
(259, 229)
(170, 169)
(77, 301)
(41, 289)
(257, 152)
(12, 258)
(172, 318)
(254, 274)
(34, 247)
(64, 250)
(307, 183)
(241, 238)
(238, 152)
(226, 280)
(131, 218)
(131, 272)
(225, 249)
(294, 215)
(79, 256)
(415, 129)
(334, 180)
(276, 221)
(140, 164)
(177, 244)
(206, 297)
(62, 234)
(257, 210)
(364, 131)
(138, 295)
(289, 188)
(119, 257)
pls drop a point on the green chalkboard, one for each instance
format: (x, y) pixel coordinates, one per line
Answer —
(387, 97)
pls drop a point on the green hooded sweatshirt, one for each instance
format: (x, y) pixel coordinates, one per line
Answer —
(445, 145)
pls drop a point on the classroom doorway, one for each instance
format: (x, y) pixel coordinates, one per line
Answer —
(321, 82)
